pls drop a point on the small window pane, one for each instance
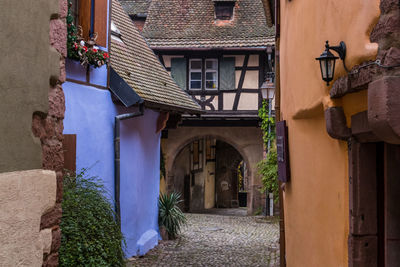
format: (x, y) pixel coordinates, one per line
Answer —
(224, 10)
(211, 64)
(211, 76)
(195, 84)
(195, 64)
(195, 75)
(211, 84)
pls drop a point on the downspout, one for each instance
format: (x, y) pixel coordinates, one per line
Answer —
(282, 244)
(117, 163)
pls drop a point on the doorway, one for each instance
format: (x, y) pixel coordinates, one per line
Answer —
(374, 204)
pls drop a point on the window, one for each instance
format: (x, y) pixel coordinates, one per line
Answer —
(196, 155)
(209, 73)
(75, 11)
(195, 74)
(115, 33)
(224, 10)
(92, 17)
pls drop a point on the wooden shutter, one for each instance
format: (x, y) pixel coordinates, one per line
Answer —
(282, 149)
(178, 71)
(85, 8)
(69, 148)
(100, 22)
(227, 73)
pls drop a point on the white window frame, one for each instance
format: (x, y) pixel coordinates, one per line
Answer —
(211, 71)
(195, 71)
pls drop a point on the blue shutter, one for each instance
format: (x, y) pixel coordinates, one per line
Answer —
(178, 71)
(227, 73)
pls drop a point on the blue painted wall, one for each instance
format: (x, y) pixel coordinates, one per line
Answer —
(140, 182)
(90, 115)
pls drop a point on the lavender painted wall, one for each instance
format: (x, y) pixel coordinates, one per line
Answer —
(90, 115)
(140, 182)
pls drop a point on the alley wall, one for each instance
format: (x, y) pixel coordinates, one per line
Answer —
(316, 200)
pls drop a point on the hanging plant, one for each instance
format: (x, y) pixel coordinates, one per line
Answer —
(87, 53)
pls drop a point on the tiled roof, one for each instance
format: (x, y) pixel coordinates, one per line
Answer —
(136, 63)
(135, 7)
(191, 23)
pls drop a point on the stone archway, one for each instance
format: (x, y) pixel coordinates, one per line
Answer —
(246, 140)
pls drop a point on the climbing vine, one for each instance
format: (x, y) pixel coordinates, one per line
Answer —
(266, 122)
(268, 167)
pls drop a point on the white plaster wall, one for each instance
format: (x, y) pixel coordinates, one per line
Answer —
(229, 98)
(24, 197)
(248, 101)
(254, 61)
(251, 79)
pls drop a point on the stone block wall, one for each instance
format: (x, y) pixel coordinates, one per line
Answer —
(34, 51)
(49, 129)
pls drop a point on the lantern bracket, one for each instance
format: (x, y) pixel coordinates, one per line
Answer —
(340, 49)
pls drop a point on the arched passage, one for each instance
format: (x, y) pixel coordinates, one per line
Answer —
(247, 141)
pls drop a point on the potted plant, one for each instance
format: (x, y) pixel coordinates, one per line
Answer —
(170, 216)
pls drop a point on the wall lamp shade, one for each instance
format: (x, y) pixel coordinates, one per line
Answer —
(327, 60)
(268, 90)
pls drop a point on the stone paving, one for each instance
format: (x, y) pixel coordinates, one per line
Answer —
(218, 240)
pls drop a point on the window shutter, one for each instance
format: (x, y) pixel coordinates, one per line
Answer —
(100, 21)
(178, 71)
(69, 148)
(85, 8)
(227, 73)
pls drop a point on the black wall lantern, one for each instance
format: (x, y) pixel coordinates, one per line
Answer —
(327, 60)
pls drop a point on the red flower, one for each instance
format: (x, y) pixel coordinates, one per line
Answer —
(76, 46)
(85, 48)
(94, 50)
(105, 55)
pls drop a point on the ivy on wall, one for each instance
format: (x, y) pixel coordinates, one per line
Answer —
(266, 122)
(268, 167)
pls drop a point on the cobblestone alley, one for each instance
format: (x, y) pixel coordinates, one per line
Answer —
(217, 240)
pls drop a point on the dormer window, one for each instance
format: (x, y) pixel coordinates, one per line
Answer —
(115, 33)
(224, 9)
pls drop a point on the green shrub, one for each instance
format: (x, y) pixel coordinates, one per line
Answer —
(91, 235)
(170, 215)
(268, 169)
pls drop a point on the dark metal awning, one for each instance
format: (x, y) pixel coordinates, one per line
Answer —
(122, 90)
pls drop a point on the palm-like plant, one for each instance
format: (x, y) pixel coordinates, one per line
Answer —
(170, 215)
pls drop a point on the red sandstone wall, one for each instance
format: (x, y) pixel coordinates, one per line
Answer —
(50, 131)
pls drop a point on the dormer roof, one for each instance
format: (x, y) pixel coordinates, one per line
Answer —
(192, 24)
(134, 61)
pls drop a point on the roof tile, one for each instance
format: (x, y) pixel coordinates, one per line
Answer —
(191, 23)
(136, 63)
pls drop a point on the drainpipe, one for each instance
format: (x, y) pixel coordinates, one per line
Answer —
(117, 163)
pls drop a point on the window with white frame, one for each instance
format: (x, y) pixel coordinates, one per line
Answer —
(211, 74)
(195, 75)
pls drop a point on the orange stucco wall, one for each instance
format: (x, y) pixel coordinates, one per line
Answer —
(316, 199)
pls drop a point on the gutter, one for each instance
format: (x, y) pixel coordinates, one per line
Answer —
(117, 163)
(209, 49)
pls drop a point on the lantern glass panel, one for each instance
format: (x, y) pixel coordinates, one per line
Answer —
(322, 63)
(331, 68)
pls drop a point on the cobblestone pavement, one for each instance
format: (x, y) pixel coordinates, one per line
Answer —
(215, 240)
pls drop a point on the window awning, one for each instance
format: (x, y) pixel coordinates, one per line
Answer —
(122, 90)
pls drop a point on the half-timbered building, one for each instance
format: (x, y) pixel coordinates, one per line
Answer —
(220, 52)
